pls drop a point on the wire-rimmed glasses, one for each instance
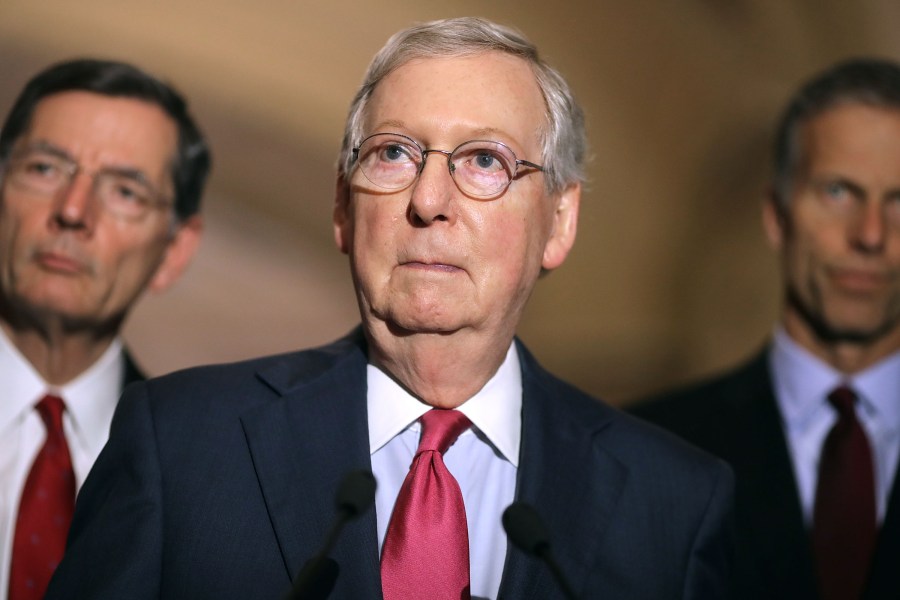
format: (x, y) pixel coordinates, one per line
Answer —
(480, 168)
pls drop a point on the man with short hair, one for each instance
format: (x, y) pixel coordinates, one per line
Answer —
(811, 425)
(101, 172)
(459, 183)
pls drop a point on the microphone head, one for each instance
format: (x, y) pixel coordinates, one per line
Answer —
(525, 528)
(356, 493)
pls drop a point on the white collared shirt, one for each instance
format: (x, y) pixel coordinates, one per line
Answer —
(90, 402)
(483, 460)
(802, 383)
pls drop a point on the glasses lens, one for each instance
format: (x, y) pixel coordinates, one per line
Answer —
(389, 161)
(40, 172)
(123, 196)
(483, 168)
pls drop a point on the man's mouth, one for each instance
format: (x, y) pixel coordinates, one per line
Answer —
(59, 263)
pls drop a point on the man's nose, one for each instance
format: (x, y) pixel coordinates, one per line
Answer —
(433, 191)
(76, 206)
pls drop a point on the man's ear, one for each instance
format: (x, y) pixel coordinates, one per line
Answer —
(343, 224)
(178, 254)
(564, 227)
(774, 219)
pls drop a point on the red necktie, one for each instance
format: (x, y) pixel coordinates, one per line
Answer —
(844, 526)
(426, 548)
(45, 510)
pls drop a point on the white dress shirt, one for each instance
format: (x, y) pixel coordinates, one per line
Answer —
(483, 460)
(802, 383)
(90, 402)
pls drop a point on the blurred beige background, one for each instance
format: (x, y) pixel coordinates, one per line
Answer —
(670, 278)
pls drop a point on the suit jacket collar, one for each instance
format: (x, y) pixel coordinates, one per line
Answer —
(300, 460)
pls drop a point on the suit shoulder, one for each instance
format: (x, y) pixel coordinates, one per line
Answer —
(648, 448)
(712, 396)
(641, 446)
(718, 414)
(245, 381)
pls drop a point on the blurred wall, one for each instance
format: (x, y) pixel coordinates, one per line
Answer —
(670, 278)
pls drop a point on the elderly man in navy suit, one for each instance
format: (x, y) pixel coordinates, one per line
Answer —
(459, 184)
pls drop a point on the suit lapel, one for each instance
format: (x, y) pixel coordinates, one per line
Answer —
(301, 445)
(563, 472)
(768, 507)
(884, 583)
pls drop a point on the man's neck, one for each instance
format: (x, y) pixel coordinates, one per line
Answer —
(443, 370)
(58, 356)
(848, 357)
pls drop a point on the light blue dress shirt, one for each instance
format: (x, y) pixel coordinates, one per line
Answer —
(483, 460)
(802, 383)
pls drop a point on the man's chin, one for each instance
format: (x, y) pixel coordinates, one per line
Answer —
(843, 322)
(852, 331)
(63, 313)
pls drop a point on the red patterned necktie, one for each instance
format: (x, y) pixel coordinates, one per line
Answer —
(426, 548)
(45, 510)
(844, 528)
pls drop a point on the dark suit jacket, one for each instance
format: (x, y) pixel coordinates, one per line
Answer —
(218, 482)
(735, 417)
(133, 372)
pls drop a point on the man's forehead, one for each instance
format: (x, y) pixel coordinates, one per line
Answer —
(124, 128)
(126, 112)
(483, 93)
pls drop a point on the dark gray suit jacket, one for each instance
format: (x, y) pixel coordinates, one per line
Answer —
(218, 482)
(735, 417)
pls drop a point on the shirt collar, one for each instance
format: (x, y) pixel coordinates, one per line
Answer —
(22, 384)
(90, 398)
(496, 410)
(878, 387)
(804, 381)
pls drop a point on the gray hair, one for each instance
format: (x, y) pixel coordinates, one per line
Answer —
(563, 138)
(867, 81)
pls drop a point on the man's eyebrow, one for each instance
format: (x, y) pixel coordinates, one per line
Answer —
(48, 148)
(489, 131)
(855, 188)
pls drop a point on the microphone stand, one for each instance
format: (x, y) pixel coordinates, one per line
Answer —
(317, 578)
(526, 530)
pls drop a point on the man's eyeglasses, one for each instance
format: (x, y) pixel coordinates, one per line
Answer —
(125, 193)
(480, 168)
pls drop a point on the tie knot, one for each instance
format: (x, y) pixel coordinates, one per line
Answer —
(440, 428)
(843, 399)
(51, 409)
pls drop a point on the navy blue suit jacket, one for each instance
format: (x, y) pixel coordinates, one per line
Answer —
(736, 417)
(218, 482)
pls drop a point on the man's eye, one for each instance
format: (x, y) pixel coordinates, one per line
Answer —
(395, 153)
(41, 168)
(122, 190)
(486, 161)
(835, 190)
(126, 193)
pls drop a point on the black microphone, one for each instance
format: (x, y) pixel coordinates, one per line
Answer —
(526, 530)
(316, 579)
